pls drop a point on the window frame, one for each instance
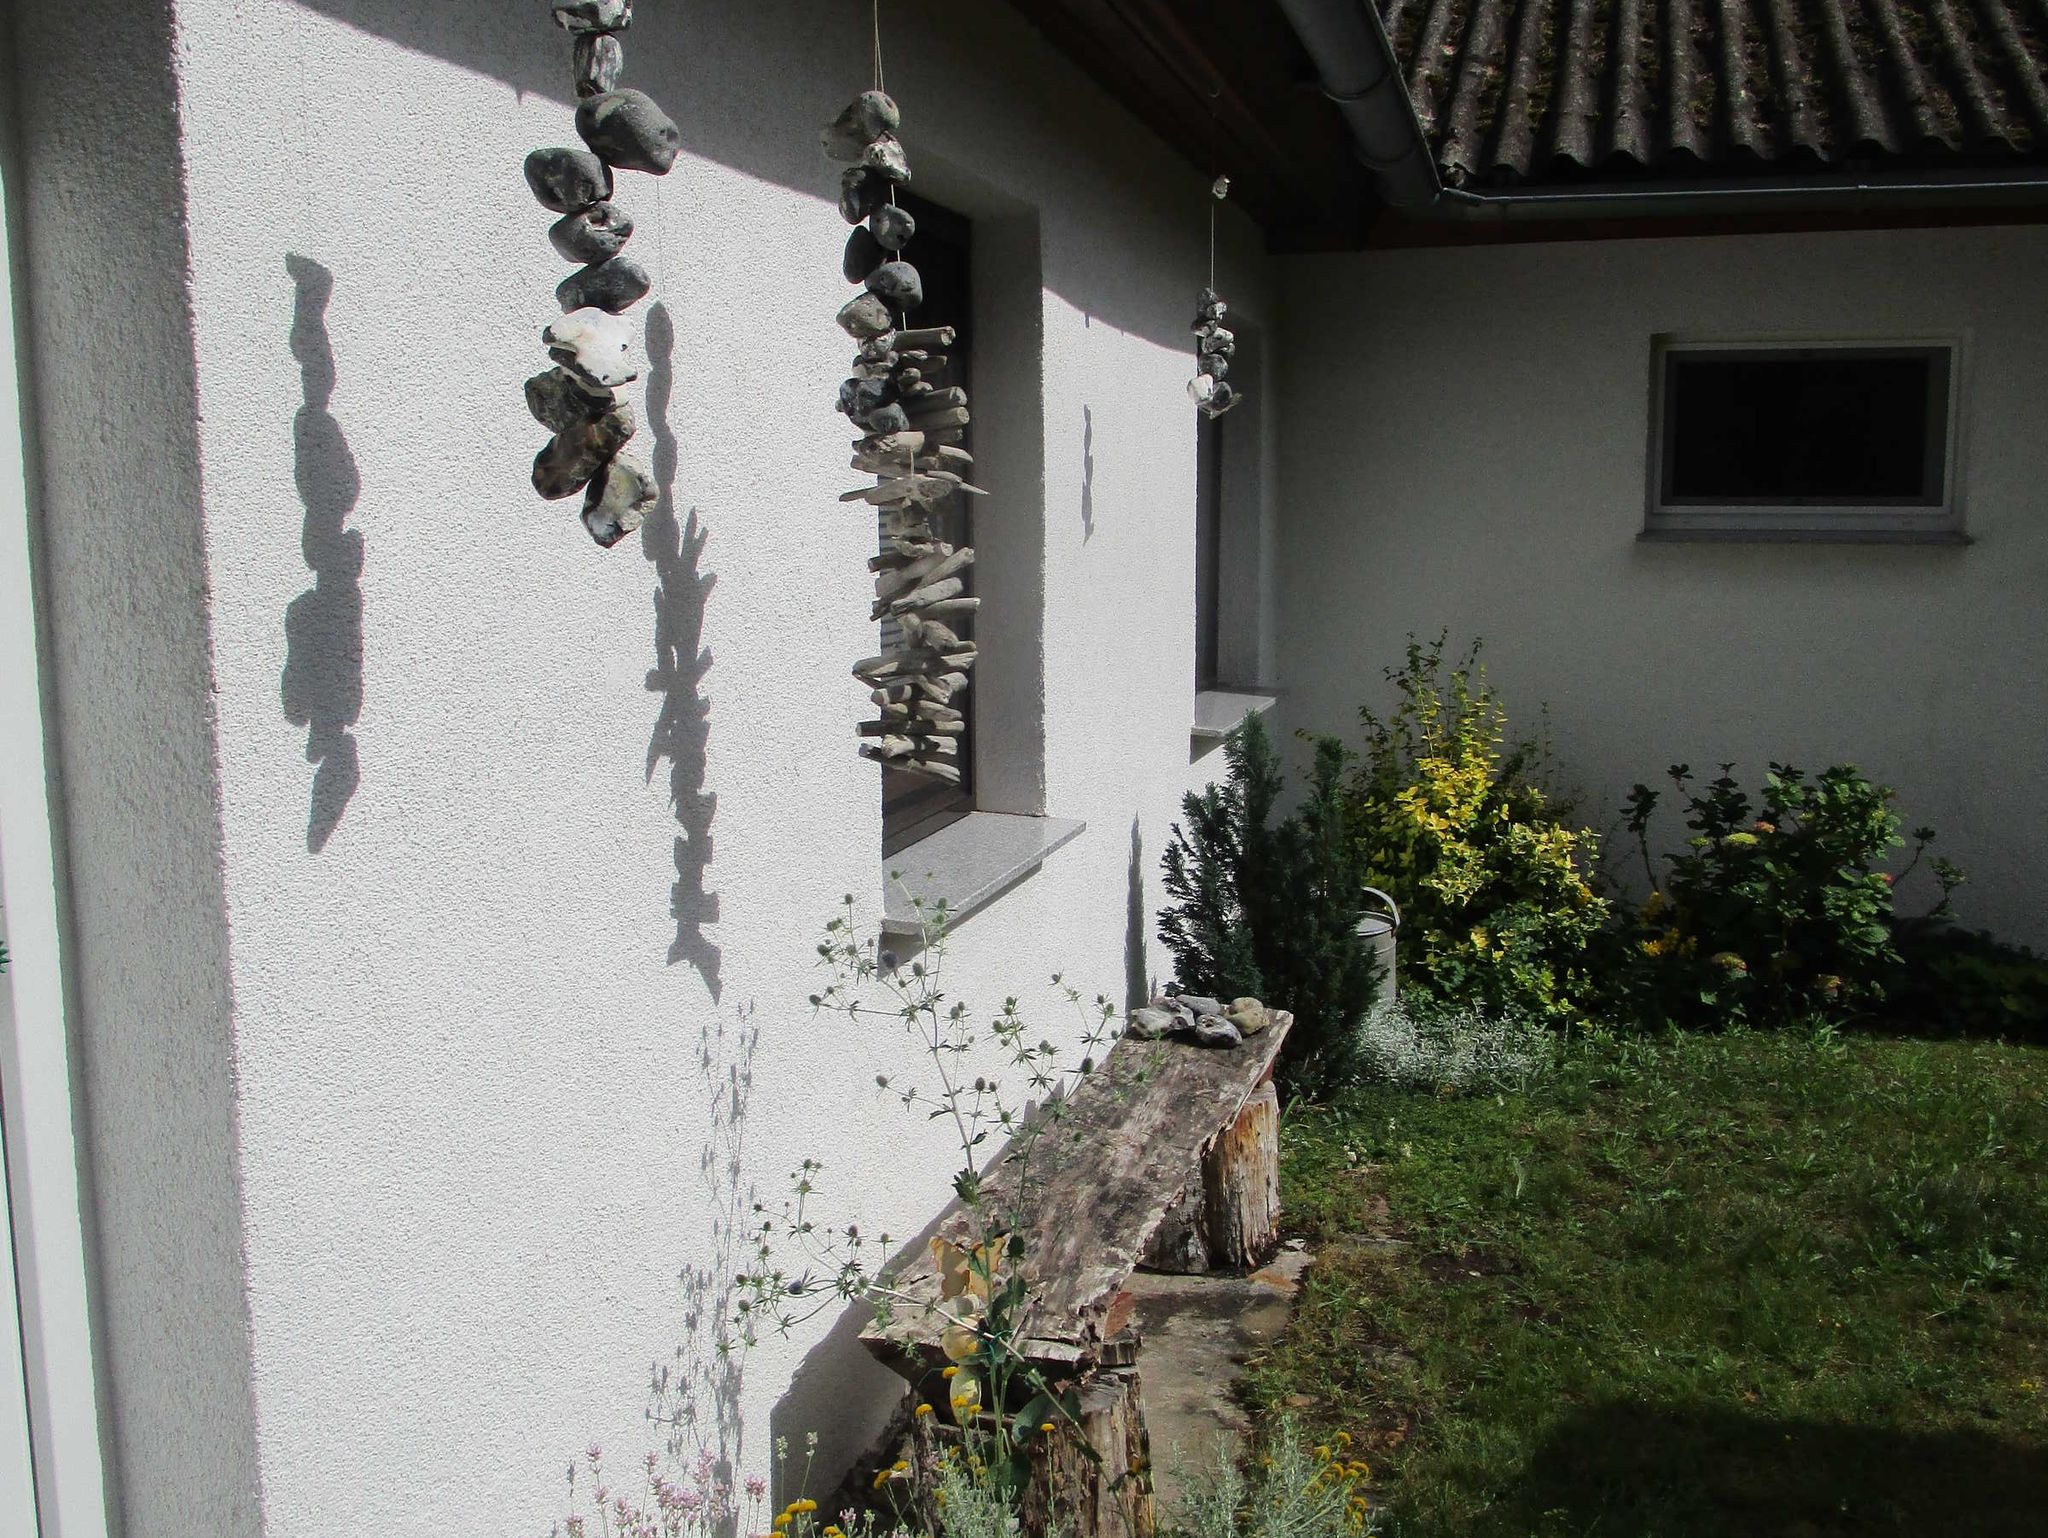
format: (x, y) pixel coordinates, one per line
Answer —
(1938, 522)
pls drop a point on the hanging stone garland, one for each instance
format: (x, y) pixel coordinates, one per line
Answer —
(1214, 344)
(592, 344)
(910, 436)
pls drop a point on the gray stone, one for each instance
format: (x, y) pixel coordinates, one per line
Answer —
(1220, 399)
(861, 191)
(567, 180)
(1217, 339)
(885, 156)
(594, 15)
(898, 284)
(592, 234)
(599, 58)
(1214, 1031)
(614, 286)
(1199, 1005)
(1215, 365)
(879, 349)
(889, 418)
(858, 397)
(618, 500)
(863, 255)
(1148, 1023)
(558, 402)
(594, 347)
(865, 316)
(579, 451)
(628, 131)
(891, 226)
(866, 118)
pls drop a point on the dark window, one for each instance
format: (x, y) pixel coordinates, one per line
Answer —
(1857, 427)
(912, 805)
(1208, 545)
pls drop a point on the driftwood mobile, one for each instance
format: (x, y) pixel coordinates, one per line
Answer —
(910, 429)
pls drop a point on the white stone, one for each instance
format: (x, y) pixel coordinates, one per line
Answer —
(595, 347)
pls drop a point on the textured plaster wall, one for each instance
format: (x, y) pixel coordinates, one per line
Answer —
(1463, 445)
(494, 1057)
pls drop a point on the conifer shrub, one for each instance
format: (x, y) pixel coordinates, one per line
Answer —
(1267, 906)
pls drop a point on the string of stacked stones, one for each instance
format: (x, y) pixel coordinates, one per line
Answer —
(1214, 343)
(911, 430)
(592, 344)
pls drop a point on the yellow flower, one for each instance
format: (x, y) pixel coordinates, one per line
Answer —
(949, 1372)
(1046, 1427)
(924, 1409)
(806, 1505)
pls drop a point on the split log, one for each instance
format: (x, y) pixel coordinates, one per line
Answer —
(1094, 1480)
(914, 337)
(929, 593)
(1230, 1220)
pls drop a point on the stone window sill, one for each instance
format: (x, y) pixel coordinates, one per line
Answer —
(969, 864)
(1217, 711)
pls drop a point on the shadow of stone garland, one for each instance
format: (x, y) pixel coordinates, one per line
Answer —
(683, 728)
(321, 687)
(695, 1396)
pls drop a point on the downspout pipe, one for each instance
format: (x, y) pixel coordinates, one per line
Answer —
(1350, 49)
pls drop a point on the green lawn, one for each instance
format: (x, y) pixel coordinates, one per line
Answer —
(1738, 1284)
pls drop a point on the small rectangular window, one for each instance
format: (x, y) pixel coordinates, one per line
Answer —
(1851, 440)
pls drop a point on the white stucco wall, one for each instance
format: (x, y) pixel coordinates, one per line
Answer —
(400, 1104)
(1463, 444)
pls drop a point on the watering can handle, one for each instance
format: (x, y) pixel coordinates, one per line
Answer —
(1393, 908)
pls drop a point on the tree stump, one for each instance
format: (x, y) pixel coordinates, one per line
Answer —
(1096, 1482)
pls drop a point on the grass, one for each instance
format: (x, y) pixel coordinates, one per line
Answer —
(1740, 1283)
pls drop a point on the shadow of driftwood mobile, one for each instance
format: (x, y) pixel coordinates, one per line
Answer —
(1087, 473)
(683, 729)
(322, 683)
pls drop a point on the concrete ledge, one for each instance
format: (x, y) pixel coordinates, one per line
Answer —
(1217, 711)
(1682, 536)
(969, 864)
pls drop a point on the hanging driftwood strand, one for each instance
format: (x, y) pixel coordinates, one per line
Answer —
(909, 423)
(592, 344)
(1214, 345)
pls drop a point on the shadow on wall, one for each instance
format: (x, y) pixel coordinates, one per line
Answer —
(697, 1393)
(682, 731)
(1087, 473)
(1137, 986)
(322, 684)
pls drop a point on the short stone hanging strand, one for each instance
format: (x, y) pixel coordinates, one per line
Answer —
(1213, 344)
(592, 344)
(910, 435)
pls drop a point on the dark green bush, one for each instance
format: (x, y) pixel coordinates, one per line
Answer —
(1961, 982)
(1268, 909)
(1772, 912)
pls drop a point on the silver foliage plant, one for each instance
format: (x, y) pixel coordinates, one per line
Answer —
(1284, 1489)
(1456, 1049)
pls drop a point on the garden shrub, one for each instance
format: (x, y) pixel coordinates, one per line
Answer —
(1289, 1491)
(1269, 909)
(1444, 813)
(1962, 982)
(1771, 912)
(1452, 1048)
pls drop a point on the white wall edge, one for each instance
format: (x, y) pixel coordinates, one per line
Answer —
(69, 1495)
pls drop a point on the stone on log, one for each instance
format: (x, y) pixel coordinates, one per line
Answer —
(864, 315)
(596, 348)
(576, 453)
(594, 15)
(599, 58)
(592, 234)
(629, 131)
(558, 402)
(618, 500)
(897, 283)
(613, 286)
(891, 226)
(863, 255)
(567, 180)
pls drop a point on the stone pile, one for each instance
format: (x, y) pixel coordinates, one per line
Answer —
(1208, 1022)
(1214, 345)
(910, 431)
(592, 345)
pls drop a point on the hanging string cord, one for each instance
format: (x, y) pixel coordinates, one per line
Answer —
(1212, 245)
(878, 44)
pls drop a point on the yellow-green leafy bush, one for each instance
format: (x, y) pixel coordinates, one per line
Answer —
(1449, 816)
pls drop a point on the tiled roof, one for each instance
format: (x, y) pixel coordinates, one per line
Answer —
(1514, 91)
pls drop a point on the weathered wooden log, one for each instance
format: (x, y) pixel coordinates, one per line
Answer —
(931, 592)
(910, 726)
(1230, 1219)
(950, 773)
(926, 421)
(1094, 1479)
(914, 337)
(932, 568)
(936, 399)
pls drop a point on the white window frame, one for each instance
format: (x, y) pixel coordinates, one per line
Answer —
(1902, 522)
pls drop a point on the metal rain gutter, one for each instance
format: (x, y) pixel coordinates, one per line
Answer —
(1349, 46)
